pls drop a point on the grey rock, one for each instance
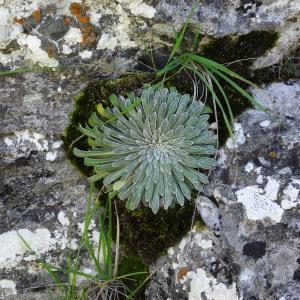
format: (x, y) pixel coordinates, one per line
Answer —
(209, 212)
(42, 196)
(255, 254)
(53, 28)
(123, 26)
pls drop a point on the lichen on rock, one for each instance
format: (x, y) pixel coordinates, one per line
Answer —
(257, 218)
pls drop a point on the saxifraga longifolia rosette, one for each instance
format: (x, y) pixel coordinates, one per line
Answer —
(151, 148)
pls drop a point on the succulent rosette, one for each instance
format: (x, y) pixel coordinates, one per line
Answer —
(154, 148)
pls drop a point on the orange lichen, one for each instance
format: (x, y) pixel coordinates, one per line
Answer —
(75, 9)
(79, 12)
(37, 14)
(182, 272)
(20, 21)
(88, 35)
(83, 19)
(50, 50)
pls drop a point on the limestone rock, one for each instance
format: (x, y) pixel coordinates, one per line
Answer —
(42, 195)
(125, 27)
(255, 253)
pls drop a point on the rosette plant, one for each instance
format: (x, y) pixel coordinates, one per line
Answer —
(152, 149)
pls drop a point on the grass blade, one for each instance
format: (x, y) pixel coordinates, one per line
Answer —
(223, 94)
(130, 297)
(213, 65)
(117, 242)
(180, 37)
(215, 97)
(255, 103)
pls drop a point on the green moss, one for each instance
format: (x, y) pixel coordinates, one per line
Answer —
(149, 235)
(131, 263)
(240, 49)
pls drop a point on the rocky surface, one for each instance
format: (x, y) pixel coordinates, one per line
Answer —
(108, 33)
(42, 196)
(250, 249)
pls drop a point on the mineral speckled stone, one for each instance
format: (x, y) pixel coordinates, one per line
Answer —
(256, 184)
(41, 28)
(42, 194)
(255, 254)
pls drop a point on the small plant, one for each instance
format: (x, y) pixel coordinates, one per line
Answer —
(152, 153)
(206, 74)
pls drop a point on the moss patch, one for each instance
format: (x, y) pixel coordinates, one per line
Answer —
(240, 50)
(149, 235)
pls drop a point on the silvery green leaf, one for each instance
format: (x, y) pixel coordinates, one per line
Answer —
(151, 147)
(179, 196)
(191, 121)
(87, 131)
(156, 175)
(149, 192)
(94, 120)
(113, 176)
(105, 168)
(154, 204)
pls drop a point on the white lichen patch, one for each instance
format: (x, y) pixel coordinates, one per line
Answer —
(107, 42)
(66, 49)
(258, 170)
(63, 219)
(258, 204)
(8, 32)
(35, 53)
(117, 36)
(13, 250)
(56, 145)
(95, 17)
(51, 156)
(249, 167)
(86, 54)
(272, 188)
(7, 287)
(265, 123)
(202, 242)
(206, 287)
(171, 251)
(290, 196)
(139, 8)
(26, 140)
(73, 36)
(260, 179)
(238, 137)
